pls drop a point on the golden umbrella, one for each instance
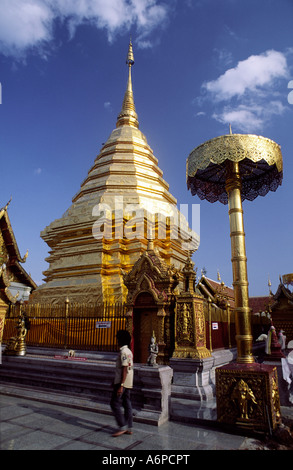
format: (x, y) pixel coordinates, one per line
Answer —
(230, 169)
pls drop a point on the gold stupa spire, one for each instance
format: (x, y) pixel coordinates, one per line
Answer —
(128, 116)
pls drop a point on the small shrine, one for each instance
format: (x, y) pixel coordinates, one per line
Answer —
(15, 283)
(190, 330)
(150, 304)
(158, 307)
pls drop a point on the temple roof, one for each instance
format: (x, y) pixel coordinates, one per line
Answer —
(282, 291)
(10, 257)
(259, 304)
(215, 290)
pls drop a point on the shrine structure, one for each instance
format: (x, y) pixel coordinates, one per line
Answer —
(15, 283)
(154, 305)
(98, 236)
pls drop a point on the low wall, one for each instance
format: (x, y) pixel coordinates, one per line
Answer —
(90, 375)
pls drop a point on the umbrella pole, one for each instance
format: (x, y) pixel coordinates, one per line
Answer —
(239, 265)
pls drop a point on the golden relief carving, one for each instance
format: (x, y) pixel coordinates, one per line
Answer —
(184, 324)
(248, 397)
(243, 396)
(200, 328)
(190, 332)
(276, 398)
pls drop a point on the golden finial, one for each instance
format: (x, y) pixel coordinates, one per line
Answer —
(25, 257)
(128, 116)
(130, 56)
(269, 285)
(4, 209)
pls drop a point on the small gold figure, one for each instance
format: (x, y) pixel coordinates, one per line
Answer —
(242, 394)
(185, 322)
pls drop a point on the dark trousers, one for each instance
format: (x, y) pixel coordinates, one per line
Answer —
(118, 402)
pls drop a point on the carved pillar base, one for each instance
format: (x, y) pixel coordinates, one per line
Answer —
(248, 396)
(156, 390)
(192, 379)
(15, 348)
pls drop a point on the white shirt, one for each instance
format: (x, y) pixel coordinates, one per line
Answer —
(124, 358)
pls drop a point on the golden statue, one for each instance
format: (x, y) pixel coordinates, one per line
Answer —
(16, 345)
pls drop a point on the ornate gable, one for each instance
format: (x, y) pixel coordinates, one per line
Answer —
(151, 274)
(282, 292)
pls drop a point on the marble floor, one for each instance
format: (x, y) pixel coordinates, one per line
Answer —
(32, 425)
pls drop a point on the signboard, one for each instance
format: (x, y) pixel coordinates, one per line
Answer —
(103, 324)
(215, 325)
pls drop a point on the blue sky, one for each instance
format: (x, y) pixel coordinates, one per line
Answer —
(199, 65)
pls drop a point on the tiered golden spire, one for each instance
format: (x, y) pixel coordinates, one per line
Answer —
(128, 116)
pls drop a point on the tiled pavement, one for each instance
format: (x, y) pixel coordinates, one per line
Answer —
(33, 425)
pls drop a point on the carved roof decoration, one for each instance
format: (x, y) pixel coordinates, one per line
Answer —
(282, 291)
(151, 274)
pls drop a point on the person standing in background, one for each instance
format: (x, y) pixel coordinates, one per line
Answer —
(123, 384)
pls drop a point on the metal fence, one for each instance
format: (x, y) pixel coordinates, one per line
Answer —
(69, 326)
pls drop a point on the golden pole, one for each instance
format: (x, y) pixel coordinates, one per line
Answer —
(239, 265)
(241, 177)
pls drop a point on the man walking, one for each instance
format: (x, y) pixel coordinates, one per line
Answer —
(123, 384)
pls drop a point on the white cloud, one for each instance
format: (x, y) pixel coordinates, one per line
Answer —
(23, 24)
(247, 95)
(242, 117)
(201, 113)
(108, 106)
(28, 23)
(37, 171)
(250, 74)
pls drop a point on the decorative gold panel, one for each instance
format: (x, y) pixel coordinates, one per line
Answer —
(190, 333)
(248, 397)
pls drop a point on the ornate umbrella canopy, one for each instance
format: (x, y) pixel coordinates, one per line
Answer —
(288, 279)
(260, 166)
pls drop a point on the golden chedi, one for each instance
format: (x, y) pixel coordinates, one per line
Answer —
(123, 202)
